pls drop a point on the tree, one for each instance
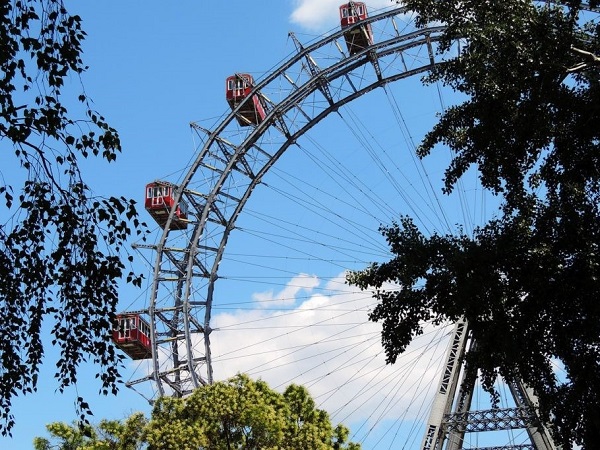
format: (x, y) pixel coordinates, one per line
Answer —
(61, 246)
(528, 281)
(236, 413)
(242, 413)
(108, 435)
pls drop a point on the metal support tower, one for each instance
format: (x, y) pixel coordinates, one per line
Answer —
(451, 415)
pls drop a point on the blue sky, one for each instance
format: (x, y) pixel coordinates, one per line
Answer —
(154, 68)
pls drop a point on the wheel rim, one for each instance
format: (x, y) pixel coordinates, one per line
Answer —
(187, 263)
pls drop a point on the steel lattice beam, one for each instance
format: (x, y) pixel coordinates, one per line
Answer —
(490, 420)
(451, 417)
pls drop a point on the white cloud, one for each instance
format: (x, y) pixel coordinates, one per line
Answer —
(327, 344)
(324, 341)
(317, 334)
(322, 15)
(286, 296)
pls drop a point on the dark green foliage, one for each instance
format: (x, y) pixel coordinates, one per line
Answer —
(60, 247)
(528, 281)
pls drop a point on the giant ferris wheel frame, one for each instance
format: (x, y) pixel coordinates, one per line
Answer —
(230, 166)
(188, 271)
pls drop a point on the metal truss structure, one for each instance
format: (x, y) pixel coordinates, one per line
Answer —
(451, 416)
(230, 164)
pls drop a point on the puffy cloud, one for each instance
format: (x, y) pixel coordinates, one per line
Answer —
(317, 334)
(302, 282)
(321, 15)
(326, 342)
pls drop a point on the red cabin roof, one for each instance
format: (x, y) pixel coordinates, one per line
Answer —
(159, 199)
(237, 88)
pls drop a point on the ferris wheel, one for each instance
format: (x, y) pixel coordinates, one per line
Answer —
(286, 193)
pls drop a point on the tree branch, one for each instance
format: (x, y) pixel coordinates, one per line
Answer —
(592, 60)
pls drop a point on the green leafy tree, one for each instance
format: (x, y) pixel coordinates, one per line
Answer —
(308, 427)
(242, 413)
(528, 282)
(61, 247)
(108, 435)
(233, 414)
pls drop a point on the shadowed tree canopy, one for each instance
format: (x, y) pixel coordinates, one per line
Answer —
(528, 282)
(239, 413)
(61, 246)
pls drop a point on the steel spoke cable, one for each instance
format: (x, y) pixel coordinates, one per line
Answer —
(288, 312)
(338, 265)
(293, 329)
(268, 365)
(291, 312)
(413, 206)
(299, 195)
(322, 322)
(340, 351)
(371, 336)
(285, 241)
(419, 391)
(390, 397)
(413, 198)
(293, 349)
(324, 211)
(405, 367)
(337, 169)
(364, 141)
(320, 291)
(418, 162)
(238, 257)
(305, 234)
(363, 242)
(262, 368)
(468, 215)
(346, 363)
(409, 367)
(341, 292)
(282, 273)
(367, 363)
(301, 328)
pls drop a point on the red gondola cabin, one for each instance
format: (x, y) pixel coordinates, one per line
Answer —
(237, 88)
(160, 198)
(132, 335)
(359, 38)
